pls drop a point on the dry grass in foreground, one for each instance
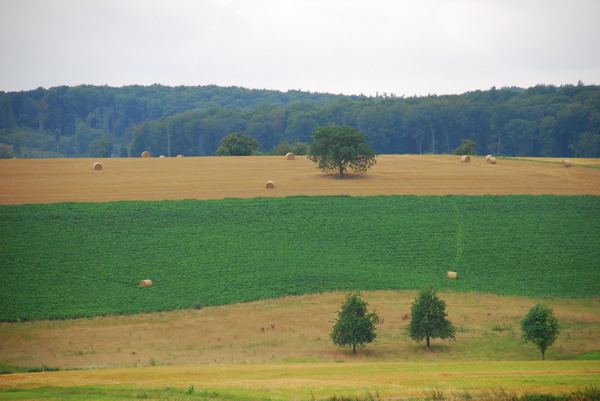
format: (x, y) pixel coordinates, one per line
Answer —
(75, 180)
(295, 329)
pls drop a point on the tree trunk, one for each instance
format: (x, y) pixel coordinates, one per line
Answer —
(543, 351)
(354, 348)
(168, 141)
(432, 138)
(427, 341)
(499, 138)
(445, 131)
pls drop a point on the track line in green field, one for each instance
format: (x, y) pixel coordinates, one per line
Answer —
(459, 235)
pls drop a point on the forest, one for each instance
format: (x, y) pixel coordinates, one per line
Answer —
(102, 121)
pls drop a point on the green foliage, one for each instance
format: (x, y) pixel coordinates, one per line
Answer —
(367, 397)
(102, 146)
(112, 393)
(8, 369)
(88, 139)
(237, 144)
(26, 142)
(63, 121)
(428, 318)
(588, 356)
(467, 148)
(354, 325)
(283, 148)
(5, 152)
(540, 327)
(120, 393)
(339, 148)
(591, 392)
(85, 259)
(588, 145)
(300, 148)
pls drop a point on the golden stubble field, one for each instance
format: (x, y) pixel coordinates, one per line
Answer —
(74, 180)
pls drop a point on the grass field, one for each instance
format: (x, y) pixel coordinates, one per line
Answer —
(306, 381)
(70, 260)
(296, 329)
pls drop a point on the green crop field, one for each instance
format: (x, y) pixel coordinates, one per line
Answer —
(75, 259)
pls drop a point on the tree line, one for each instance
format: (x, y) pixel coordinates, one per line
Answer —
(101, 121)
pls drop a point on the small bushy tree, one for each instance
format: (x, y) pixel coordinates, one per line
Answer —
(5, 152)
(102, 146)
(237, 144)
(281, 148)
(298, 148)
(354, 325)
(467, 148)
(428, 318)
(540, 327)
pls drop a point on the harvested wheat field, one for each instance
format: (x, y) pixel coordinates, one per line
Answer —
(72, 180)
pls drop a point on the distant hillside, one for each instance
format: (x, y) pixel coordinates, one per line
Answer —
(101, 121)
(93, 120)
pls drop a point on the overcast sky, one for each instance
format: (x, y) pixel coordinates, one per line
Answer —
(338, 46)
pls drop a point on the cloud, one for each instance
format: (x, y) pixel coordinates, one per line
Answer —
(340, 46)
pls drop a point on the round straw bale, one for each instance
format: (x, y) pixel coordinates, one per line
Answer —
(97, 166)
(290, 156)
(146, 154)
(180, 156)
(270, 185)
(452, 275)
(162, 156)
(146, 283)
(491, 160)
(465, 159)
(566, 163)
(487, 157)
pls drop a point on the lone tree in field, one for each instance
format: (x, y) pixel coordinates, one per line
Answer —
(540, 327)
(354, 325)
(428, 318)
(237, 144)
(339, 148)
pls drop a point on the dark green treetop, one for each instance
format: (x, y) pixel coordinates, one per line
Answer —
(354, 325)
(428, 318)
(237, 144)
(540, 327)
(467, 148)
(337, 148)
